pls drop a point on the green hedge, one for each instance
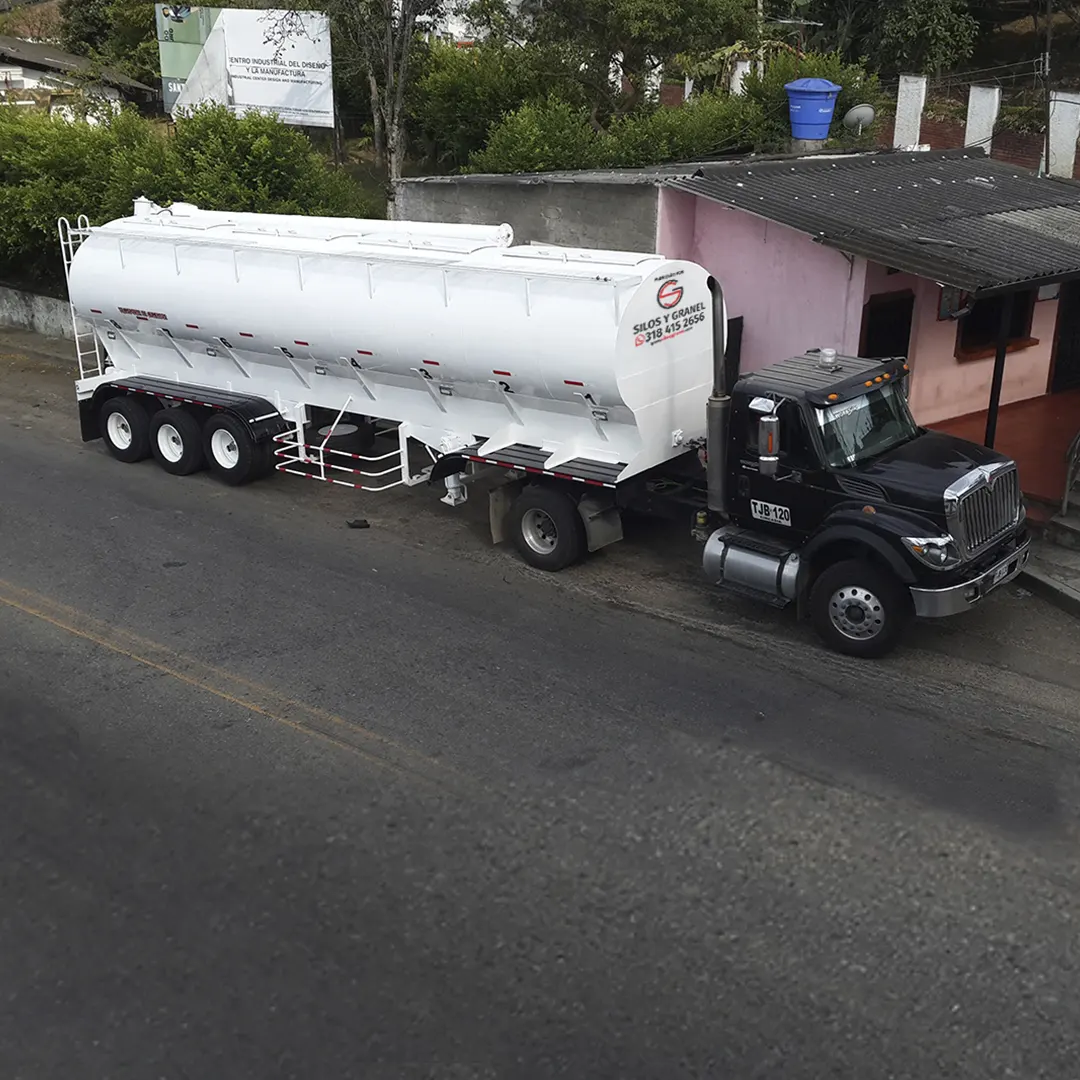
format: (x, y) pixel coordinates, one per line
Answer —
(461, 93)
(51, 168)
(557, 134)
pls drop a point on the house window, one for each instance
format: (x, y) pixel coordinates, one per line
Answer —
(978, 330)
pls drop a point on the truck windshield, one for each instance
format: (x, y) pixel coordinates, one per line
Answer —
(871, 424)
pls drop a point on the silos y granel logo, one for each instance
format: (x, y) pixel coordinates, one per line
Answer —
(669, 294)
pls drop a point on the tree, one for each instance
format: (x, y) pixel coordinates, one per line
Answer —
(895, 35)
(928, 35)
(379, 40)
(85, 25)
(634, 36)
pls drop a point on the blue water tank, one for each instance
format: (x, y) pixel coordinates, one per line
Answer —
(811, 103)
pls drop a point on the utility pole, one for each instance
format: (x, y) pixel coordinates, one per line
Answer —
(1046, 83)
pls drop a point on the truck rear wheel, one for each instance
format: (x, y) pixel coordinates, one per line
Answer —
(232, 454)
(547, 528)
(859, 610)
(125, 428)
(176, 441)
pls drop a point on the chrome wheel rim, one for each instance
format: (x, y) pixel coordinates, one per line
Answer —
(856, 613)
(540, 531)
(170, 443)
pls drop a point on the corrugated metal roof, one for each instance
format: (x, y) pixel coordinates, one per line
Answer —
(955, 216)
(42, 55)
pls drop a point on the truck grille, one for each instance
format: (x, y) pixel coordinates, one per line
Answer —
(987, 509)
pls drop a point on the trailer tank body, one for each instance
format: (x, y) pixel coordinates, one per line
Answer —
(596, 355)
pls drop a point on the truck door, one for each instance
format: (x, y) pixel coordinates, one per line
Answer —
(790, 504)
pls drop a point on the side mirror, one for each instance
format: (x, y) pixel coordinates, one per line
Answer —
(768, 441)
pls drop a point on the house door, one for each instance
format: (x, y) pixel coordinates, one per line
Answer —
(1066, 374)
(886, 329)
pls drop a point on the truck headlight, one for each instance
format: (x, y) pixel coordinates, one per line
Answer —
(937, 552)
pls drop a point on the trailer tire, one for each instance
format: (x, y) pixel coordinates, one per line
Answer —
(232, 454)
(125, 428)
(176, 441)
(546, 528)
(859, 609)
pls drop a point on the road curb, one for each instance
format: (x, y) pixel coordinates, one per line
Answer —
(1050, 589)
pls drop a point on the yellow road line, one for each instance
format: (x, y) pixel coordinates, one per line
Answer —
(235, 689)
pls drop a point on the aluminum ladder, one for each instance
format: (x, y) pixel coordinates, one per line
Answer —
(87, 345)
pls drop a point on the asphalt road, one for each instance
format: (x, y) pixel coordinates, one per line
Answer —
(281, 799)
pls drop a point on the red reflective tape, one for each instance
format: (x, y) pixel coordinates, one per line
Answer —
(506, 373)
(505, 464)
(300, 343)
(597, 483)
(364, 352)
(562, 476)
(95, 311)
(192, 326)
(530, 468)
(573, 382)
(143, 318)
(433, 363)
(245, 334)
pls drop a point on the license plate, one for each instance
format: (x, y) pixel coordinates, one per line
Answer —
(1000, 574)
(770, 512)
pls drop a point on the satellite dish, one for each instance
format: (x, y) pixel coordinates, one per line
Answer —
(862, 116)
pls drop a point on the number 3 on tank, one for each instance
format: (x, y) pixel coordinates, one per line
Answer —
(776, 515)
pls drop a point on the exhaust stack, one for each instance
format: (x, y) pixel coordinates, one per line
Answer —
(718, 409)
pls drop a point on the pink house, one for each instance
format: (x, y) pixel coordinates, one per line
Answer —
(962, 264)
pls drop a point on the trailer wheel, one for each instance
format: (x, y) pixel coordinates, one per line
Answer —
(859, 610)
(232, 454)
(176, 441)
(125, 428)
(546, 528)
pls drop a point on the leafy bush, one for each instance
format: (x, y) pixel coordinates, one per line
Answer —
(706, 126)
(463, 92)
(556, 135)
(51, 167)
(540, 137)
(767, 91)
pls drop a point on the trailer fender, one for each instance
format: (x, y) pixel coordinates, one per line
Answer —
(447, 465)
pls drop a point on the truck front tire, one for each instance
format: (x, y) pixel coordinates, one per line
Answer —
(546, 528)
(859, 610)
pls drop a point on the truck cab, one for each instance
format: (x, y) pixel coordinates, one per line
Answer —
(835, 499)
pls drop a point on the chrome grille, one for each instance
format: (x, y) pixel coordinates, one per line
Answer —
(989, 508)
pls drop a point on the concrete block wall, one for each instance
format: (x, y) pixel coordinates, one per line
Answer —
(39, 314)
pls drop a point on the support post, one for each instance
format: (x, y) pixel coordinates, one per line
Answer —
(999, 368)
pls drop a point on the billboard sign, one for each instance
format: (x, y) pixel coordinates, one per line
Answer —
(249, 60)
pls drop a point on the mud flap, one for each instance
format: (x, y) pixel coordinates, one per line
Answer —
(500, 499)
(603, 521)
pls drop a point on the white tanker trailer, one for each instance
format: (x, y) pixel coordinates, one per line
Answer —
(378, 354)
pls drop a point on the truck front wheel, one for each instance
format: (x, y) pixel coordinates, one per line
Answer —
(859, 610)
(547, 528)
